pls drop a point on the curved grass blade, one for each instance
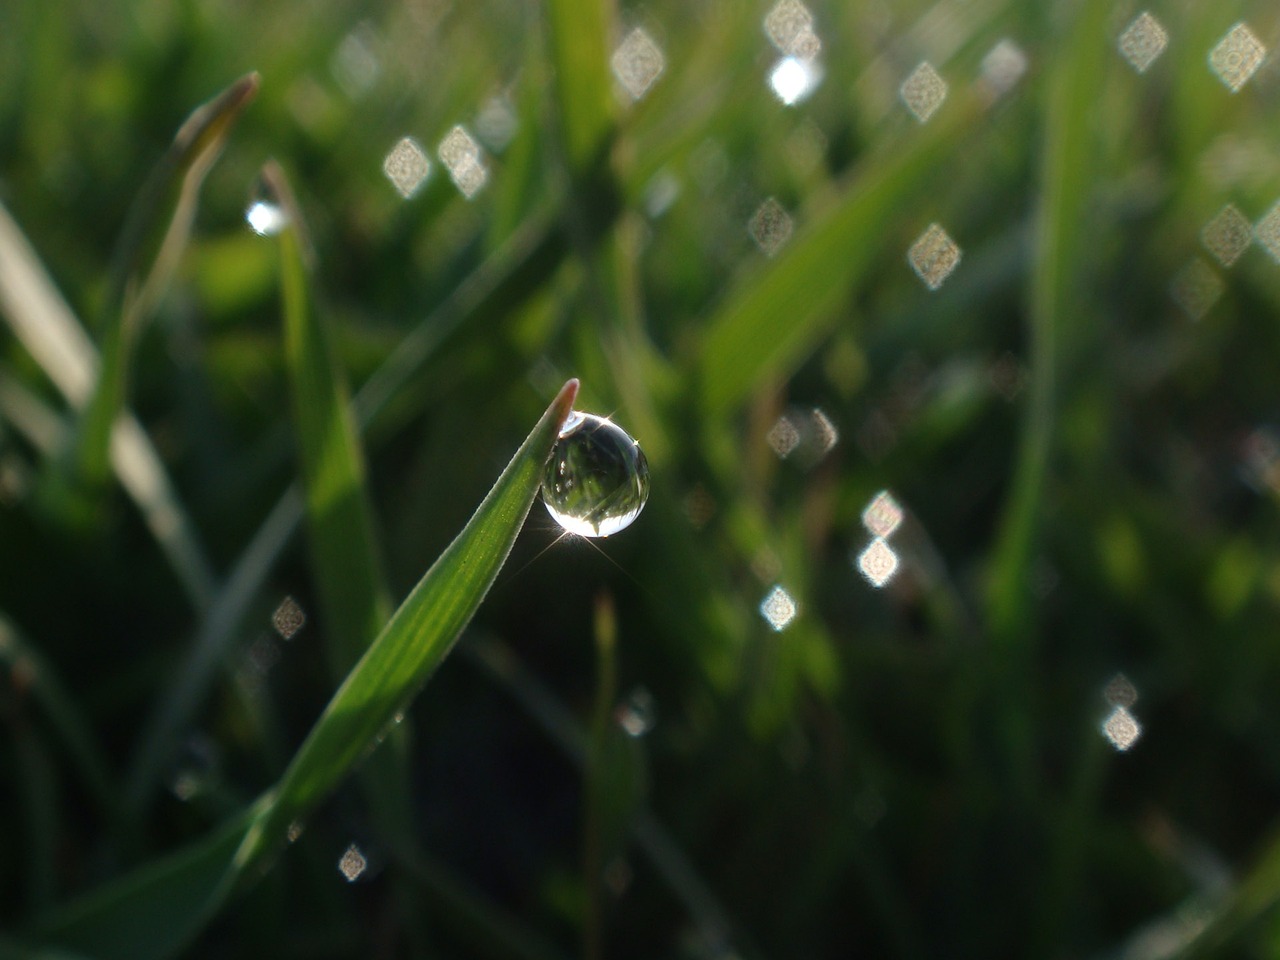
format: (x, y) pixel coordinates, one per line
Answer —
(168, 199)
(415, 641)
(776, 314)
(41, 681)
(343, 548)
(500, 284)
(42, 321)
(159, 908)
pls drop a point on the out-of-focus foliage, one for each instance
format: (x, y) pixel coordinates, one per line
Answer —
(1075, 408)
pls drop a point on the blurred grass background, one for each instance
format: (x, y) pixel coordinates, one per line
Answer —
(1083, 429)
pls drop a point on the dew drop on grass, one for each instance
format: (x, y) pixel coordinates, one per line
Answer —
(266, 217)
(597, 480)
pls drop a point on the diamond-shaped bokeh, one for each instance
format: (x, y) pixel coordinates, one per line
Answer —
(407, 167)
(923, 91)
(1143, 41)
(1237, 56)
(770, 227)
(1228, 235)
(934, 256)
(637, 63)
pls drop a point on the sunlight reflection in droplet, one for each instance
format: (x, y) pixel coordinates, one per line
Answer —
(407, 167)
(1228, 235)
(461, 155)
(1196, 288)
(353, 864)
(1143, 41)
(878, 563)
(266, 219)
(770, 227)
(779, 609)
(793, 79)
(1267, 232)
(934, 256)
(923, 91)
(882, 515)
(288, 618)
(1121, 728)
(1237, 56)
(637, 63)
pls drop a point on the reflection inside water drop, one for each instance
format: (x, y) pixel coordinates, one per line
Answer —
(263, 216)
(597, 480)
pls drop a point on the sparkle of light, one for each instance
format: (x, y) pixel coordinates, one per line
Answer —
(1120, 691)
(636, 714)
(288, 618)
(786, 22)
(934, 256)
(1227, 236)
(1143, 41)
(1196, 288)
(637, 63)
(923, 91)
(1237, 57)
(883, 515)
(353, 864)
(1003, 66)
(407, 167)
(266, 219)
(770, 227)
(779, 609)
(462, 157)
(878, 563)
(783, 437)
(794, 79)
(1267, 232)
(1121, 728)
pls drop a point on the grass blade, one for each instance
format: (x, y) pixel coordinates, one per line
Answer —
(156, 910)
(579, 33)
(65, 716)
(1056, 285)
(344, 552)
(44, 323)
(169, 198)
(745, 343)
(417, 638)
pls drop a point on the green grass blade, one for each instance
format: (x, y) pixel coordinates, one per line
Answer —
(344, 553)
(578, 32)
(156, 910)
(501, 283)
(64, 714)
(415, 641)
(168, 200)
(778, 311)
(41, 319)
(1056, 286)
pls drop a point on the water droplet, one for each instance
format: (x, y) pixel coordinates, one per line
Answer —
(597, 480)
(878, 562)
(883, 515)
(923, 91)
(265, 217)
(637, 63)
(933, 256)
(1228, 235)
(793, 79)
(636, 714)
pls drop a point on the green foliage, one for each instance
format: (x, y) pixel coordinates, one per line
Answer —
(1080, 422)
